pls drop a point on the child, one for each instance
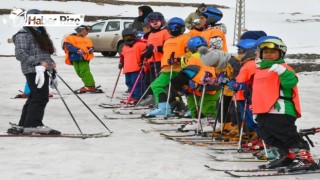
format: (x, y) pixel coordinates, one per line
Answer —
(275, 101)
(173, 49)
(188, 80)
(154, 50)
(79, 52)
(130, 61)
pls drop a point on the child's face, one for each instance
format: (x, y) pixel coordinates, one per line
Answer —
(203, 21)
(155, 24)
(270, 54)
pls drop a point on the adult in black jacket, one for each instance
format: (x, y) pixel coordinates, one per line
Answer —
(143, 13)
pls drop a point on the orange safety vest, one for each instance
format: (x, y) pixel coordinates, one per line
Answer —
(210, 33)
(203, 68)
(80, 42)
(194, 32)
(266, 92)
(246, 72)
(157, 39)
(132, 56)
(176, 45)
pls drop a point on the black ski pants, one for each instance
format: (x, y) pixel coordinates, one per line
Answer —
(33, 109)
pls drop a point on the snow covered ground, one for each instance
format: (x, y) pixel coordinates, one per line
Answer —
(128, 153)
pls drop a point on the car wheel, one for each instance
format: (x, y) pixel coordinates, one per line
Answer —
(108, 53)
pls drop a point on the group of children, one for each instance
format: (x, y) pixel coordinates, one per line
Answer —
(169, 63)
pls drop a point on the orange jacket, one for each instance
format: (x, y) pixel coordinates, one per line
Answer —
(245, 75)
(266, 92)
(132, 56)
(80, 42)
(194, 60)
(157, 39)
(176, 45)
(210, 33)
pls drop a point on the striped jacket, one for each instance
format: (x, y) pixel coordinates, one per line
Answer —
(28, 52)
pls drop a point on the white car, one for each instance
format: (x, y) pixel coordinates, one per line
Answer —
(106, 35)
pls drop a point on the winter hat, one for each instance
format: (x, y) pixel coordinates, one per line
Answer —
(180, 80)
(253, 35)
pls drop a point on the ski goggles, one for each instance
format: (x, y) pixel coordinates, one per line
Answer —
(129, 37)
(271, 45)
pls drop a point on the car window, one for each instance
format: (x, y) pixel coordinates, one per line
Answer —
(97, 27)
(127, 24)
(113, 26)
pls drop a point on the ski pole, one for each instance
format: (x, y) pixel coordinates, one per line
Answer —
(115, 86)
(134, 86)
(171, 69)
(84, 102)
(65, 104)
(217, 115)
(242, 125)
(207, 74)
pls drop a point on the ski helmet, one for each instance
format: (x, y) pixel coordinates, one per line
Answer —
(252, 35)
(273, 44)
(245, 44)
(154, 16)
(129, 35)
(176, 26)
(214, 13)
(195, 42)
(263, 38)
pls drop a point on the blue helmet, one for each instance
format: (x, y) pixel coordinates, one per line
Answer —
(195, 42)
(212, 12)
(176, 26)
(247, 44)
(176, 20)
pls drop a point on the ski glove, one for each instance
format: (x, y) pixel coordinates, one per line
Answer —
(223, 79)
(173, 61)
(120, 66)
(80, 52)
(235, 86)
(278, 68)
(91, 50)
(148, 52)
(207, 80)
(54, 80)
(40, 76)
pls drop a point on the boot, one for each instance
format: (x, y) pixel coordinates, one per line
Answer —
(160, 110)
(88, 89)
(302, 161)
(131, 101)
(227, 128)
(284, 160)
(40, 130)
(272, 153)
(149, 100)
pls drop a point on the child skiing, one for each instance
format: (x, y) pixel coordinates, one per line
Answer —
(79, 52)
(275, 101)
(154, 51)
(130, 61)
(173, 49)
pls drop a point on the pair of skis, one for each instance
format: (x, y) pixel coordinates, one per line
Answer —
(256, 172)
